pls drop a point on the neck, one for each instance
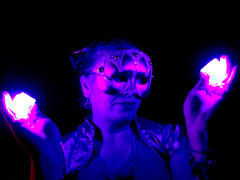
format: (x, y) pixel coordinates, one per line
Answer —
(114, 132)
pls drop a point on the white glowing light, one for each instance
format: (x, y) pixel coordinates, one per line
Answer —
(22, 105)
(217, 70)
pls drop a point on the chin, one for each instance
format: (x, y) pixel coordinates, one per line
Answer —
(121, 115)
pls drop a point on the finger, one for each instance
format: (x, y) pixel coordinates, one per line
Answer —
(231, 77)
(7, 112)
(203, 84)
(22, 131)
(5, 109)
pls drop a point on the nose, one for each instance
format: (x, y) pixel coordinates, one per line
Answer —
(131, 88)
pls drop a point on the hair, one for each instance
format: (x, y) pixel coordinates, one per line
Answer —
(84, 60)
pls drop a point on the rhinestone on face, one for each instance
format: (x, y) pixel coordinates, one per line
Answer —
(150, 62)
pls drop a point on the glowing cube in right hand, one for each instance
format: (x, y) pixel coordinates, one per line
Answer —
(217, 71)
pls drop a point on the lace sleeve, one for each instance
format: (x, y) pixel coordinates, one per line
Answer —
(174, 140)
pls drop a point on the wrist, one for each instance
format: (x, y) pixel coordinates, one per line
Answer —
(198, 144)
(202, 162)
(203, 170)
(201, 155)
(198, 139)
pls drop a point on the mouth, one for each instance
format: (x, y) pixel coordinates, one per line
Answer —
(127, 104)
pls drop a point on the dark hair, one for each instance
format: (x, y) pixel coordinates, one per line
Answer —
(84, 60)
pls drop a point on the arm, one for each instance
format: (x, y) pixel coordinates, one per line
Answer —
(180, 167)
(48, 162)
(199, 107)
(180, 157)
(45, 167)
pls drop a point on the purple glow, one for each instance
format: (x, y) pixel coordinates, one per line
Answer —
(217, 71)
(21, 105)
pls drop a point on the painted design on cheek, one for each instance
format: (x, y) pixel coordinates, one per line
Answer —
(112, 80)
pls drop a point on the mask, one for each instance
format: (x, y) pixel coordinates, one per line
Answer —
(124, 70)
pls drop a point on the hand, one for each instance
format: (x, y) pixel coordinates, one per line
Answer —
(200, 104)
(41, 137)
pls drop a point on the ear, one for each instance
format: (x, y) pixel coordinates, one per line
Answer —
(85, 88)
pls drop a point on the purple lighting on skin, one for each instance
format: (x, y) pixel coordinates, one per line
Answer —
(21, 105)
(217, 71)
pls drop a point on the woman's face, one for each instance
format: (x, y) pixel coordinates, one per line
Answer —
(121, 106)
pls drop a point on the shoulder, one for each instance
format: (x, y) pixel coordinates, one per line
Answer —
(68, 144)
(175, 140)
(145, 123)
(69, 139)
(75, 145)
(170, 136)
(84, 133)
(164, 129)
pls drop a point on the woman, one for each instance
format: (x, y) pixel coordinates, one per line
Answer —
(113, 142)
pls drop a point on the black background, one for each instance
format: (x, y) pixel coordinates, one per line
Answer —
(36, 41)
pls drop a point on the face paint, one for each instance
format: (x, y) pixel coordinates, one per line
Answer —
(120, 70)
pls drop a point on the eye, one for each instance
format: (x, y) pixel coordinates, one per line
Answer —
(119, 78)
(142, 80)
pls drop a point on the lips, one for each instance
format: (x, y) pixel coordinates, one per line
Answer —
(126, 101)
(127, 104)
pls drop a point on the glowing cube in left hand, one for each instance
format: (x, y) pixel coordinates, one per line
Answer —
(217, 71)
(22, 104)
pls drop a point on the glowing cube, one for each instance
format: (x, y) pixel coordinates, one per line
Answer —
(22, 105)
(217, 70)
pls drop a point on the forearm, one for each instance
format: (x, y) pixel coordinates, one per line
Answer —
(182, 166)
(45, 168)
(199, 140)
(202, 158)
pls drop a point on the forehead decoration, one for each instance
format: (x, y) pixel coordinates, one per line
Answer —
(119, 59)
(116, 58)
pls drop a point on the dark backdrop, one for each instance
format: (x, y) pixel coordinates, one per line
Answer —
(36, 44)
